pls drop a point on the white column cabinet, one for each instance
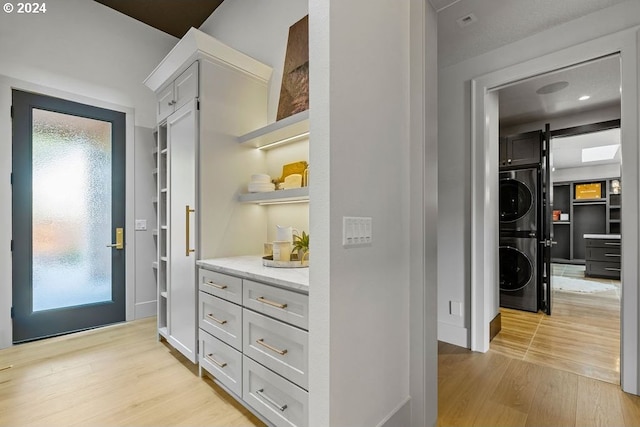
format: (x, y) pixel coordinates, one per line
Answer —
(207, 95)
(182, 138)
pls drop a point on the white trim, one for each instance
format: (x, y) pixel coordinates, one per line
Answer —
(195, 43)
(146, 309)
(485, 171)
(390, 421)
(456, 335)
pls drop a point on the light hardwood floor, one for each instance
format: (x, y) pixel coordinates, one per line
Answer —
(122, 376)
(493, 389)
(582, 335)
(114, 376)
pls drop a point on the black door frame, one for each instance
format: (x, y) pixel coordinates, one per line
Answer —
(29, 325)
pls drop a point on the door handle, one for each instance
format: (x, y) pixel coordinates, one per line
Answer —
(188, 211)
(119, 244)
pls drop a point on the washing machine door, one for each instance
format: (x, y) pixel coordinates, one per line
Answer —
(516, 200)
(516, 269)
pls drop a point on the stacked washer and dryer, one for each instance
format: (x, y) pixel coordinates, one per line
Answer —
(519, 225)
(525, 201)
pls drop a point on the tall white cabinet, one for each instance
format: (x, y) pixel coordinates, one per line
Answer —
(207, 94)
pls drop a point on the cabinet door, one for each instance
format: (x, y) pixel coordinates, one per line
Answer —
(186, 86)
(183, 286)
(164, 103)
(524, 149)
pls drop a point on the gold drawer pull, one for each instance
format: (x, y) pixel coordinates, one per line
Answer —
(270, 400)
(277, 350)
(215, 285)
(210, 316)
(611, 269)
(271, 303)
(210, 358)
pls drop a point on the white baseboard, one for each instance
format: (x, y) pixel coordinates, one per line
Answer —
(145, 309)
(400, 416)
(452, 334)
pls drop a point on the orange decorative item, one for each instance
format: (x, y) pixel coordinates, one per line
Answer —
(589, 191)
(556, 215)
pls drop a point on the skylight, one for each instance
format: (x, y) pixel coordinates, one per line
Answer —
(603, 152)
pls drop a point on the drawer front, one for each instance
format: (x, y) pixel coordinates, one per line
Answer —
(221, 319)
(603, 243)
(221, 285)
(276, 399)
(609, 254)
(221, 361)
(278, 346)
(288, 306)
(603, 269)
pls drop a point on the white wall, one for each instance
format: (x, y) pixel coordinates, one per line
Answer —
(360, 151)
(80, 50)
(259, 29)
(454, 128)
(586, 172)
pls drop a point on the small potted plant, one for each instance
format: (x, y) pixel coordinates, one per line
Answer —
(301, 246)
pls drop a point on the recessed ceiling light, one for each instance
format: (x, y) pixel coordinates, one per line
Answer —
(552, 87)
(604, 152)
(584, 98)
(466, 20)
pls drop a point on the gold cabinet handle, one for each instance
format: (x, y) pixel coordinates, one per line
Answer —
(270, 400)
(210, 316)
(188, 222)
(272, 348)
(210, 358)
(271, 303)
(215, 285)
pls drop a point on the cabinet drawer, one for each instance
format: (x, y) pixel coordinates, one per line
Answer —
(221, 285)
(221, 319)
(609, 254)
(288, 306)
(603, 269)
(603, 243)
(221, 361)
(278, 346)
(278, 400)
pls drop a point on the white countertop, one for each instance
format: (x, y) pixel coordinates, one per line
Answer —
(250, 267)
(601, 236)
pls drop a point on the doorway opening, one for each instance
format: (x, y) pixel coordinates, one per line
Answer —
(582, 105)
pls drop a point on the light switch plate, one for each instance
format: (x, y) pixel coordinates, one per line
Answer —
(357, 231)
(141, 225)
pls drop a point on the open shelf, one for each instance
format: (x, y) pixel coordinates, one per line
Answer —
(290, 129)
(291, 195)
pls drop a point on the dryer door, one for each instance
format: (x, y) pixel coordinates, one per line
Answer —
(516, 200)
(516, 269)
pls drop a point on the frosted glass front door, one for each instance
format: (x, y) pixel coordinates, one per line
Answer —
(68, 203)
(71, 210)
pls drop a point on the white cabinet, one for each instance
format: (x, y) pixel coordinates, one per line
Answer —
(182, 142)
(208, 94)
(177, 93)
(270, 348)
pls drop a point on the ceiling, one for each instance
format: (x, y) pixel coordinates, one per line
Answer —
(599, 79)
(171, 16)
